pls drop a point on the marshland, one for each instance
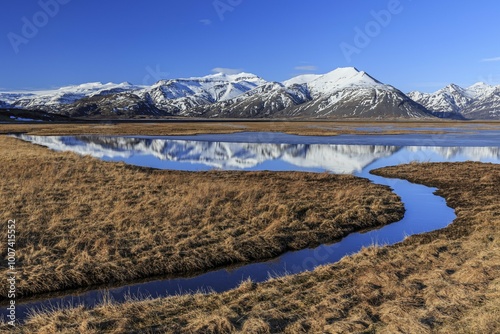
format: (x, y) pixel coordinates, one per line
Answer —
(84, 222)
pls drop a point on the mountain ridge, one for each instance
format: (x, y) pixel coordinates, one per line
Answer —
(478, 101)
(345, 92)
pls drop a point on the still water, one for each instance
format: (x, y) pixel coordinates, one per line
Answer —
(278, 152)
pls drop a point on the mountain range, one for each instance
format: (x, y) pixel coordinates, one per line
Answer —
(341, 93)
(479, 101)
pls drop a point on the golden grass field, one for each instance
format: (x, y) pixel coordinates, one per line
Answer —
(318, 128)
(440, 282)
(445, 281)
(82, 221)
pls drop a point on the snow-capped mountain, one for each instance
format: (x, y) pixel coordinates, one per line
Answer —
(339, 79)
(180, 95)
(479, 101)
(57, 99)
(166, 97)
(267, 100)
(485, 106)
(480, 90)
(445, 102)
(342, 93)
(348, 92)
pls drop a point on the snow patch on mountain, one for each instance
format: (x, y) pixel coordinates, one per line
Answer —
(343, 78)
(301, 79)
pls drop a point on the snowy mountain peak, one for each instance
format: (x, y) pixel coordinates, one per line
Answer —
(93, 86)
(301, 79)
(214, 79)
(180, 95)
(346, 70)
(454, 88)
(88, 85)
(233, 77)
(454, 92)
(479, 85)
(343, 78)
(480, 89)
(347, 76)
(219, 77)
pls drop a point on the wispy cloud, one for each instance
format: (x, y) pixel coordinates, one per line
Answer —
(206, 22)
(490, 59)
(227, 70)
(306, 68)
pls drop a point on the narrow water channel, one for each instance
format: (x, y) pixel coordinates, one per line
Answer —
(424, 211)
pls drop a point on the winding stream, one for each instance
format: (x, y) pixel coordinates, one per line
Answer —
(424, 211)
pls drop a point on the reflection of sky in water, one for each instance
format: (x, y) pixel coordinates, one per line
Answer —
(454, 137)
(402, 155)
(145, 160)
(200, 155)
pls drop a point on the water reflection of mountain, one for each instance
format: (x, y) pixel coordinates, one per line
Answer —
(470, 153)
(227, 155)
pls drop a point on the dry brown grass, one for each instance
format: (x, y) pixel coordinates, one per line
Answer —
(440, 282)
(82, 221)
(319, 128)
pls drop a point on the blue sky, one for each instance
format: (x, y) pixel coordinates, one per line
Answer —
(413, 45)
